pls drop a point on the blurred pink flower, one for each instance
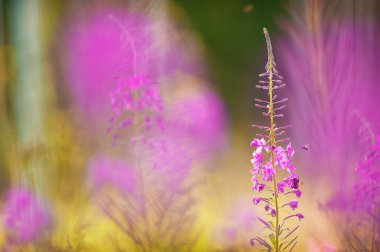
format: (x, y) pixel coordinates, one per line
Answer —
(104, 171)
(313, 246)
(154, 193)
(116, 69)
(112, 48)
(26, 218)
(135, 96)
(107, 48)
(117, 59)
(237, 225)
(366, 188)
(331, 64)
(331, 68)
(199, 121)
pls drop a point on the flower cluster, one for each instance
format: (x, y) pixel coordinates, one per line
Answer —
(26, 218)
(282, 159)
(358, 206)
(270, 161)
(201, 116)
(366, 199)
(114, 173)
(332, 93)
(159, 134)
(135, 94)
(367, 186)
(235, 228)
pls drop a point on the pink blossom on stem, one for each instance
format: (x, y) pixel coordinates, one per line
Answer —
(26, 217)
(277, 160)
(298, 193)
(258, 142)
(257, 158)
(293, 204)
(104, 171)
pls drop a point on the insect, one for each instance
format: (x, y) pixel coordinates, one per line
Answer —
(306, 147)
(248, 8)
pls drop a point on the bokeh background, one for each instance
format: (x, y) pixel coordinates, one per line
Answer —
(65, 169)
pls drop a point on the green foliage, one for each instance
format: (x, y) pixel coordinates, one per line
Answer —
(233, 40)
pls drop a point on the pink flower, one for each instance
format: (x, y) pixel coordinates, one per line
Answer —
(292, 181)
(257, 158)
(26, 218)
(257, 200)
(200, 117)
(273, 212)
(101, 53)
(278, 157)
(258, 142)
(281, 158)
(314, 246)
(290, 168)
(268, 172)
(256, 186)
(255, 171)
(280, 187)
(236, 225)
(293, 204)
(114, 173)
(289, 150)
(299, 215)
(135, 94)
(298, 193)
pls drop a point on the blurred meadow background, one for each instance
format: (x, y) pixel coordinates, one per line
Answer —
(126, 124)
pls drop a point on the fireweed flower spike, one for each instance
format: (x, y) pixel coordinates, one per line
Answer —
(366, 200)
(331, 61)
(26, 218)
(146, 187)
(273, 172)
(365, 203)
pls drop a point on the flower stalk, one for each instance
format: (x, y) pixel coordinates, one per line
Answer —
(272, 133)
(279, 158)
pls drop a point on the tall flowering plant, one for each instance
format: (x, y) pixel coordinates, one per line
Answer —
(331, 61)
(147, 193)
(145, 185)
(359, 211)
(26, 219)
(273, 175)
(366, 201)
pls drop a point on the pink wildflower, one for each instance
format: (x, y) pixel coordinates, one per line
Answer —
(26, 218)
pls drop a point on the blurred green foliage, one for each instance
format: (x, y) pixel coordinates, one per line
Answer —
(235, 46)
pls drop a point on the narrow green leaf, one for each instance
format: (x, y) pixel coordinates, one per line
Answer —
(291, 232)
(262, 242)
(272, 239)
(290, 243)
(282, 244)
(271, 223)
(292, 247)
(265, 223)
